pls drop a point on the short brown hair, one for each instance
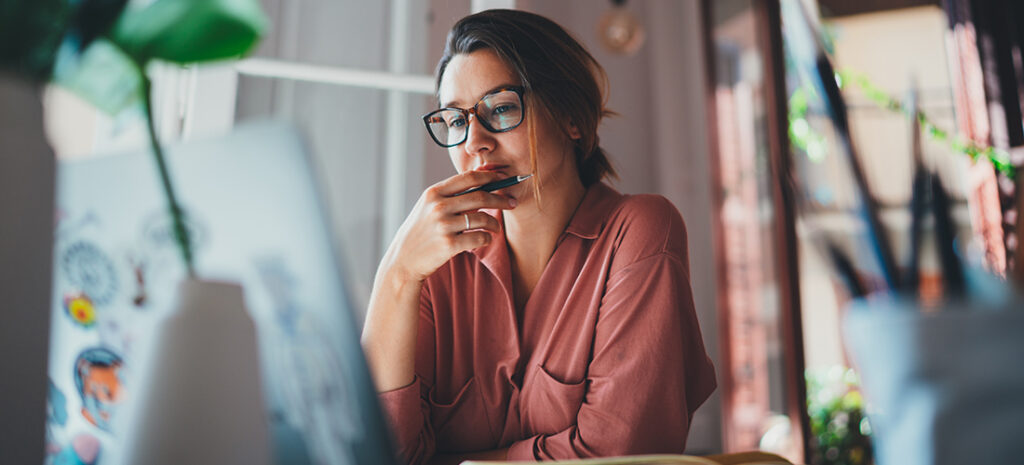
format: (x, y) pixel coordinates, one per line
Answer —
(559, 76)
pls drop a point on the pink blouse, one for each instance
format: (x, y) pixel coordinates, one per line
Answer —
(606, 358)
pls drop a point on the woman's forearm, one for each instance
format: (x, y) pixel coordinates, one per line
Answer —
(389, 334)
(455, 459)
(431, 235)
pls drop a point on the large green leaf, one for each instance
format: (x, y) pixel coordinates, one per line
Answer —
(189, 31)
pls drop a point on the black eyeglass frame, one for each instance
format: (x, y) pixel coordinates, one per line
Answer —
(472, 111)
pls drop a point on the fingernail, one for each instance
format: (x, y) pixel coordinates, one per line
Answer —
(513, 202)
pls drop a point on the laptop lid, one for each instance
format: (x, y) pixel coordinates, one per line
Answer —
(255, 218)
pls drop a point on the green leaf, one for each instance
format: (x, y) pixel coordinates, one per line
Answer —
(189, 31)
(103, 76)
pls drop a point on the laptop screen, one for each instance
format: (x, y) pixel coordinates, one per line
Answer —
(254, 217)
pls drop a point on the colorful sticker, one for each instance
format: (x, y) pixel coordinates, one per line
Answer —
(89, 269)
(56, 406)
(80, 308)
(56, 418)
(100, 383)
(83, 450)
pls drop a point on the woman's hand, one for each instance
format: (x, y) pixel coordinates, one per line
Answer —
(433, 232)
(436, 230)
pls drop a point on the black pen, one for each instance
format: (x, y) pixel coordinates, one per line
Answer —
(493, 186)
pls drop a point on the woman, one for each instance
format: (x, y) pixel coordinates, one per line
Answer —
(547, 320)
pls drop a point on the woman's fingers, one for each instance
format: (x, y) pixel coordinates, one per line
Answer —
(442, 225)
(476, 201)
(473, 221)
(464, 181)
(470, 240)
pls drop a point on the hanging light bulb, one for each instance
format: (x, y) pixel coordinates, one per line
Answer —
(619, 30)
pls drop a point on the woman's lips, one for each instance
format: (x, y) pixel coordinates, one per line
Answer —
(491, 167)
(498, 168)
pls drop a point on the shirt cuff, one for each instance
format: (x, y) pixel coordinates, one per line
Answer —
(401, 408)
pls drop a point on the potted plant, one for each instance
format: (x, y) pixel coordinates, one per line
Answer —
(840, 429)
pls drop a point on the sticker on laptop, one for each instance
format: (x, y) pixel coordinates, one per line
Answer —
(99, 379)
(90, 269)
(80, 309)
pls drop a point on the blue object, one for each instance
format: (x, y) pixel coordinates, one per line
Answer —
(942, 388)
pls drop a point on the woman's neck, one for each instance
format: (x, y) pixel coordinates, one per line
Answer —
(532, 232)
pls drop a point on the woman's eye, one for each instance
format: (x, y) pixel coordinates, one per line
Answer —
(504, 108)
(456, 122)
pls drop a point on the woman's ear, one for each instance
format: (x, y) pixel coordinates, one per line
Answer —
(574, 132)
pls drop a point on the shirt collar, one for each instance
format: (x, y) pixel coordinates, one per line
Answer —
(587, 222)
(590, 217)
(494, 256)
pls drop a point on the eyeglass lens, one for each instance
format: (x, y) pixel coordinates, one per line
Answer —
(497, 112)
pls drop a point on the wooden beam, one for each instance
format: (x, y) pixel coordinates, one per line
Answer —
(838, 8)
(769, 28)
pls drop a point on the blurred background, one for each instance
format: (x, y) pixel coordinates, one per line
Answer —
(712, 115)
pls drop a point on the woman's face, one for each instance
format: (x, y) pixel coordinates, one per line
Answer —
(467, 79)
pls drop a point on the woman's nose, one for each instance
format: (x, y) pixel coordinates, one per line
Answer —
(478, 138)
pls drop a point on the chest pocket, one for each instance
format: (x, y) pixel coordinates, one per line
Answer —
(461, 421)
(548, 404)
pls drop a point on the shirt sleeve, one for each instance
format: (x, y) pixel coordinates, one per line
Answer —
(648, 374)
(406, 409)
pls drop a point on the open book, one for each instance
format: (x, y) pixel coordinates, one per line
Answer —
(744, 458)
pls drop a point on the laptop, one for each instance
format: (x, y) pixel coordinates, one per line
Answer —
(255, 218)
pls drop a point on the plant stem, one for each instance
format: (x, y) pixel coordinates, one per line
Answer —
(180, 232)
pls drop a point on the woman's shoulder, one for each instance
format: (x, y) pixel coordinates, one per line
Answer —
(634, 210)
(647, 210)
(645, 225)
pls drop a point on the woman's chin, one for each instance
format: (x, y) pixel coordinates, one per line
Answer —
(520, 192)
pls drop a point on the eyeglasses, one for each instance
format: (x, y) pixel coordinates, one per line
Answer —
(498, 111)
